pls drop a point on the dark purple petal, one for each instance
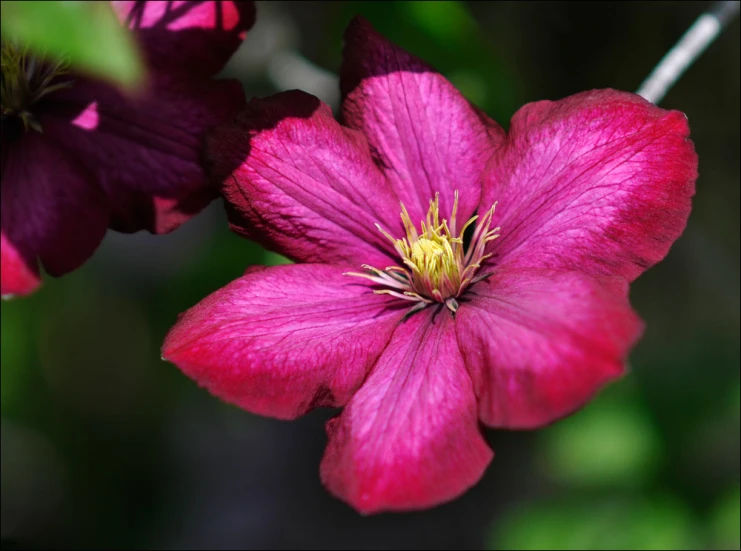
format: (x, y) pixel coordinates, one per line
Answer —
(146, 152)
(51, 208)
(191, 37)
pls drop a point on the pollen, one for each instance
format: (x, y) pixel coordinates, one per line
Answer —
(435, 265)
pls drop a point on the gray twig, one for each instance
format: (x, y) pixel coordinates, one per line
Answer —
(698, 37)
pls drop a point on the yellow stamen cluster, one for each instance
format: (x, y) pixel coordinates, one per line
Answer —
(25, 80)
(436, 266)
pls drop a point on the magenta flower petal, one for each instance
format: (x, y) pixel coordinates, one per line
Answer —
(539, 344)
(301, 184)
(515, 317)
(194, 37)
(283, 340)
(18, 276)
(409, 437)
(600, 182)
(424, 134)
(51, 207)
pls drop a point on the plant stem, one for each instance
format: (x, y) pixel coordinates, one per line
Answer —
(698, 37)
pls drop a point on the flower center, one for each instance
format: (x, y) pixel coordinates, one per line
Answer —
(25, 80)
(436, 265)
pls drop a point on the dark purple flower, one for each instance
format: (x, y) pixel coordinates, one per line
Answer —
(79, 157)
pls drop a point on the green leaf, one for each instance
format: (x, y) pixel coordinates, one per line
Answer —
(87, 34)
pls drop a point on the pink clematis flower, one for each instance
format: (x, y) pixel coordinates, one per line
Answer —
(418, 324)
(79, 157)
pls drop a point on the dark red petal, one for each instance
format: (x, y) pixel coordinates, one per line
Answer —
(301, 184)
(425, 136)
(539, 344)
(409, 438)
(282, 340)
(18, 276)
(599, 182)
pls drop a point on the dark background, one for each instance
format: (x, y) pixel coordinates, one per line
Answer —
(105, 445)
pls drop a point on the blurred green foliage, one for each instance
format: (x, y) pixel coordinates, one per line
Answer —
(725, 521)
(605, 459)
(17, 345)
(613, 444)
(651, 522)
(86, 34)
(446, 35)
